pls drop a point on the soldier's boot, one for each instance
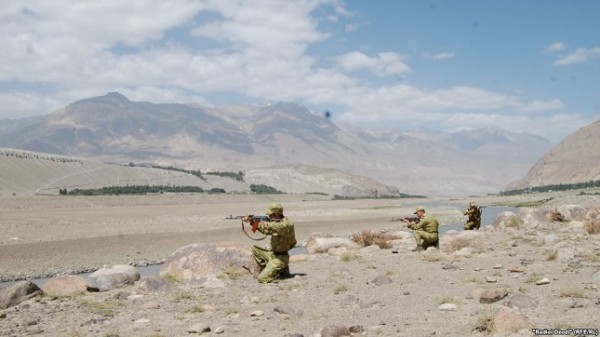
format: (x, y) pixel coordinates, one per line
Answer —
(285, 273)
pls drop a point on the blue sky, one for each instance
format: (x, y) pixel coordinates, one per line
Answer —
(526, 66)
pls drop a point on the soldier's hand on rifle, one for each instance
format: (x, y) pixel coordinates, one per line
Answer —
(246, 218)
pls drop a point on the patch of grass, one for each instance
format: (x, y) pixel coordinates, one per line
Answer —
(182, 295)
(172, 278)
(485, 323)
(447, 299)
(105, 308)
(347, 256)
(389, 273)
(475, 279)
(552, 256)
(340, 288)
(196, 309)
(533, 278)
(459, 243)
(572, 292)
(232, 272)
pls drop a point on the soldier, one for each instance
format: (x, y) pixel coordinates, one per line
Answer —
(425, 230)
(274, 262)
(474, 214)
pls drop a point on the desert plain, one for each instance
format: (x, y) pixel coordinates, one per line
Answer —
(540, 274)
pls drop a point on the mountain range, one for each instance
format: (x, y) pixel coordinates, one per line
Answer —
(281, 137)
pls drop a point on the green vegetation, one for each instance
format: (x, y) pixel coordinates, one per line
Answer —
(197, 173)
(549, 188)
(264, 189)
(134, 189)
(237, 176)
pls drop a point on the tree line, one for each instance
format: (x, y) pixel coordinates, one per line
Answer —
(553, 187)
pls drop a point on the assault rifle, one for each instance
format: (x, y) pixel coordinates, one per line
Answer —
(406, 219)
(253, 219)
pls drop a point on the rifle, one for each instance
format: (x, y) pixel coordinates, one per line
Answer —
(253, 219)
(406, 219)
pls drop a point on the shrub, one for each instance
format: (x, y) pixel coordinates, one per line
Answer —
(367, 238)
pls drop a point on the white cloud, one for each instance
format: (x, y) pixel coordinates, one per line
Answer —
(555, 47)
(441, 56)
(383, 65)
(581, 55)
(162, 52)
(536, 105)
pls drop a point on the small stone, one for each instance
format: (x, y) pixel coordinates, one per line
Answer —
(219, 330)
(577, 304)
(199, 328)
(406, 293)
(478, 269)
(490, 279)
(356, 329)
(498, 266)
(492, 295)
(448, 265)
(447, 307)
(142, 321)
(515, 269)
(542, 281)
(256, 313)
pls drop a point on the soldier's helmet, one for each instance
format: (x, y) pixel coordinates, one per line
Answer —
(275, 209)
(420, 208)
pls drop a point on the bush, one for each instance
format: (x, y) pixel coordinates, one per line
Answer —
(367, 238)
(264, 189)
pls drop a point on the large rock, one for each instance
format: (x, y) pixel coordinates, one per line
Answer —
(335, 330)
(65, 286)
(321, 244)
(17, 293)
(577, 213)
(536, 218)
(520, 302)
(507, 220)
(105, 279)
(507, 320)
(205, 263)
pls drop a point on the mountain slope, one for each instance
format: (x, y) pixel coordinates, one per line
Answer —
(574, 160)
(245, 137)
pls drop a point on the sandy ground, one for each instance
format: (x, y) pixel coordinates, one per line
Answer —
(41, 236)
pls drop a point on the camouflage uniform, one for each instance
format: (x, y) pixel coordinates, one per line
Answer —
(474, 214)
(426, 231)
(275, 261)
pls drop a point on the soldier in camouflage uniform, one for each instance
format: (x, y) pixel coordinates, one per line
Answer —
(425, 230)
(474, 214)
(274, 262)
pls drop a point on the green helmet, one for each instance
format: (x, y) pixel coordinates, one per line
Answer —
(275, 209)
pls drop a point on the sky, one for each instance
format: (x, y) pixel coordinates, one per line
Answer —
(522, 65)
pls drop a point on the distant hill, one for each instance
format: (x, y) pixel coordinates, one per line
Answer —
(112, 128)
(574, 160)
(27, 173)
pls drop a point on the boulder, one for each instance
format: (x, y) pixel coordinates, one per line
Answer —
(507, 320)
(155, 284)
(204, 264)
(106, 279)
(577, 213)
(335, 330)
(492, 295)
(65, 286)
(520, 302)
(536, 218)
(17, 293)
(507, 220)
(323, 244)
